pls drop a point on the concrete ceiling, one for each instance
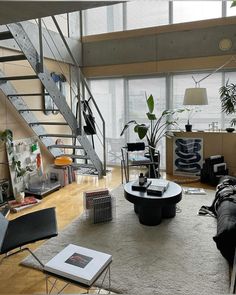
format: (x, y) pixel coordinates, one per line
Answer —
(14, 11)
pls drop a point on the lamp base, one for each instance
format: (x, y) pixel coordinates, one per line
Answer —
(188, 128)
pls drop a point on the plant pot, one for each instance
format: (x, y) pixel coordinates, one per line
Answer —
(230, 129)
(188, 127)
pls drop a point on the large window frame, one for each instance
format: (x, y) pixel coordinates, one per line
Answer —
(170, 99)
(122, 16)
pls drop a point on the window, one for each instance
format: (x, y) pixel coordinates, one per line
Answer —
(147, 13)
(205, 114)
(103, 19)
(109, 96)
(185, 11)
(231, 11)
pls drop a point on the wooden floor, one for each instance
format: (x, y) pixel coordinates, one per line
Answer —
(15, 279)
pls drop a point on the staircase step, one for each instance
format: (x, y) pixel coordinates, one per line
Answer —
(82, 157)
(75, 165)
(28, 77)
(58, 135)
(5, 35)
(36, 110)
(48, 123)
(12, 58)
(65, 146)
(27, 94)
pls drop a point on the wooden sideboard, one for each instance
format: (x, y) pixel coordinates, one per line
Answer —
(214, 143)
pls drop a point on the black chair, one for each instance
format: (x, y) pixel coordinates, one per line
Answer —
(28, 228)
(130, 158)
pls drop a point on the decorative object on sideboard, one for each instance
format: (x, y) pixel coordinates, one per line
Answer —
(230, 129)
(194, 97)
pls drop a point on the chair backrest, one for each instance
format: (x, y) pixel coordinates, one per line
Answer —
(3, 228)
(135, 146)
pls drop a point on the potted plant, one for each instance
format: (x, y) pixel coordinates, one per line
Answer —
(191, 113)
(228, 101)
(156, 129)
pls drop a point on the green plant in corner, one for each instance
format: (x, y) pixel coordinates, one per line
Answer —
(157, 128)
(228, 100)
(6, 136)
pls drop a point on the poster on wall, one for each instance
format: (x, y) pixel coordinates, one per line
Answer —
(188, 156)
(25, 163)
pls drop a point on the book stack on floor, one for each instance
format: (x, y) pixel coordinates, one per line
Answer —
(64, 174)
(15, 206)
(99, 205)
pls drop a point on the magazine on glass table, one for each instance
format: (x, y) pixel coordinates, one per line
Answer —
(79, 264)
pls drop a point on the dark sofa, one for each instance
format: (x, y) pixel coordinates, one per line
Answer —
(224, 207)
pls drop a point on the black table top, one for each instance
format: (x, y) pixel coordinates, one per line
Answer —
(172, 195)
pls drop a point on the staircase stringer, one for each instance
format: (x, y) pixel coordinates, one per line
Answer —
(17, 101)
(32, 56)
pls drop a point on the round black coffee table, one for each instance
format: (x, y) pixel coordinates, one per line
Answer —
(151, 209)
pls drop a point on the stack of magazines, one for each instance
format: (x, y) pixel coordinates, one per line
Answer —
(194, 191)
(158, 187)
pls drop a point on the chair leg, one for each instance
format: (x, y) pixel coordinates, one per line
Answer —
(21, 250)
(233, 276)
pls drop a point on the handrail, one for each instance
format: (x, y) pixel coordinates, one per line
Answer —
(81, 78)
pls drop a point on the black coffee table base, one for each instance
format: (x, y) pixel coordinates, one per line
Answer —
(153, 215)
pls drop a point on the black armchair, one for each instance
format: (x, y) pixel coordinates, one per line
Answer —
(28, 228)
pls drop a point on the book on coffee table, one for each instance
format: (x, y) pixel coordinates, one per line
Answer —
(142, 188)
(79, 264)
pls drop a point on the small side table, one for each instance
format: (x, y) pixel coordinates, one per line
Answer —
(79, 266)
(51, 280)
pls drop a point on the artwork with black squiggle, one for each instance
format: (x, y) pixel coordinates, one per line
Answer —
(188, 155)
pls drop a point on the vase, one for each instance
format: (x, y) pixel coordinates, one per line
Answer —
(153, 170)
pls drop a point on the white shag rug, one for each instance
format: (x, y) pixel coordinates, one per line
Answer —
(178, 256)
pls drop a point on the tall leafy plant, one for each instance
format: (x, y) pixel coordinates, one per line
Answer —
(228, 100)
(157, 127)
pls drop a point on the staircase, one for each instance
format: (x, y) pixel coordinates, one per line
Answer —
(80, 145)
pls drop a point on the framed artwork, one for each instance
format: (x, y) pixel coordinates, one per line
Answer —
(187, 156)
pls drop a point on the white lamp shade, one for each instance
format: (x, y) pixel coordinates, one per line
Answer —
(195, 96)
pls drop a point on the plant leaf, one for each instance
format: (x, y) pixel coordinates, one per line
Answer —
(142, 130)
(151, 117)
(150, 103)
(233, 3)
(127, 126)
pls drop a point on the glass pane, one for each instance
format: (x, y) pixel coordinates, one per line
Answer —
(109, 96)
(137, 107)
(231, 11)
(200, 116)
(62, 21)
(103, 20)
(147, 13)
(184, 11)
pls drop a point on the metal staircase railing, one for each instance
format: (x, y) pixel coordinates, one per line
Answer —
(76, 131)
(85, 88)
